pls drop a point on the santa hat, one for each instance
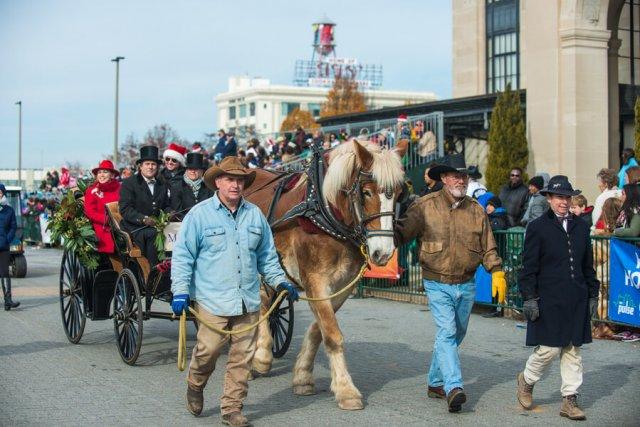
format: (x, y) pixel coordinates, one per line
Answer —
(177, 152)
(402, 118)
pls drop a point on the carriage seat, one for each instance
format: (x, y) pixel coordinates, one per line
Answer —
(120, 236)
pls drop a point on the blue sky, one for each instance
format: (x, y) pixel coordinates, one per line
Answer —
(56, 59)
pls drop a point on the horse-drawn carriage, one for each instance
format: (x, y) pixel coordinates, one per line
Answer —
(124, 287)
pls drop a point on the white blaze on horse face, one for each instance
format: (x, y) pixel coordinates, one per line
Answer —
(381, 247)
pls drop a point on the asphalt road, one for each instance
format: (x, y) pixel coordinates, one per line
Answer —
(46, 380)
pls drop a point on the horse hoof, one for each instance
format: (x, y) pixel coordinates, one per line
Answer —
(304, 390)
(261, 368)
(350, 404)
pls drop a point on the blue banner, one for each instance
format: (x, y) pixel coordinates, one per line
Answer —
(624, 283)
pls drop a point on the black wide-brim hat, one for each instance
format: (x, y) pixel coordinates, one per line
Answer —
(196, 161)
(474, 172)
(560, 185)
(451, 163)
(148, 152)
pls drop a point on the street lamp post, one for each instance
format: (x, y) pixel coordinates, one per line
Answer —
(117, 60)
(19, 104)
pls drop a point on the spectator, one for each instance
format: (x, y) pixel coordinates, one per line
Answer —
(610, 214)
(218, 150)
(299, 138)
(608, 185)
(64, 178)
(514, 196)
(629, 213)
(8, 227)
(633, 175)
(198, 148)
(475, 188)
(289, 152)
(230, 147)
(363, 135)
(56, 179)
(104, 190)
(537, 204)
(579, 208)
(628, 160)
(497, 215)
(333, 139)
(432, 185)
(125, 173)
(174, 161)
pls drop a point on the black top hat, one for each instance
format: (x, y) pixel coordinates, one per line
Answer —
(560, 184)
(474, 172)
(148, 152)
(196, 161)
(452, 163)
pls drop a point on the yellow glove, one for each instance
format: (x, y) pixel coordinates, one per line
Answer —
(499, 286)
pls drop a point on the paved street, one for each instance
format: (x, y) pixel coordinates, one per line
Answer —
(46, 380)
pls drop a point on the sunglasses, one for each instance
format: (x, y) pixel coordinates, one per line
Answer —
(170, 160)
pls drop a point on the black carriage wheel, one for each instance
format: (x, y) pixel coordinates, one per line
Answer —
(281, 326)
(74, 318)
(127, 316)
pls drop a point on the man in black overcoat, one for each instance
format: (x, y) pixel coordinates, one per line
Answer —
(190, 190)
(143, 196)
(560, 291)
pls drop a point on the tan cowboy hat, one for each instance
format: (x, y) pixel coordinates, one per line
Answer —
(228, 166)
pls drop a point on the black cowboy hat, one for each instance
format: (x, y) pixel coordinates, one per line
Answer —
(451, 163)
(474, 172)
(560, 184)
(196, 161)
(148, 152)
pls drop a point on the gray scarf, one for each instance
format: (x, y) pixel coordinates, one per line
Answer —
(195, 185)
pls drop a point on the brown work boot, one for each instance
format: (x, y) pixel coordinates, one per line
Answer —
(525, 392)
(570, 408)
(194, 400)
(436, 392)
(235, 419)
(455, 399)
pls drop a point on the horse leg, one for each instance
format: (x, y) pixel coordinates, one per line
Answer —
(303, 383)
(263, 358)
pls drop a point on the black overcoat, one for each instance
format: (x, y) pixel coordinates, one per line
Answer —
(182, 198)
(558, 269)
(136, 201)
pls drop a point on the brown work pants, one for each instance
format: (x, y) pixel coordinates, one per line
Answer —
(241, 350)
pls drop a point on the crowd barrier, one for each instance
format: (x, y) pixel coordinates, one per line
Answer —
(510, 243)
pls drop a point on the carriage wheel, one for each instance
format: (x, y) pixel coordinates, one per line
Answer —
(281, 326)
(127, 316)
(74, 318)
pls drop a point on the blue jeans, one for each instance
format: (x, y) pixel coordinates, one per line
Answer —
(450, 306)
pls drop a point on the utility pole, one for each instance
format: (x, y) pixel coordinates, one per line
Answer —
(19, 104)
(117, 60)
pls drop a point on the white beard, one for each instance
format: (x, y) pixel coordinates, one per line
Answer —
(458, 193)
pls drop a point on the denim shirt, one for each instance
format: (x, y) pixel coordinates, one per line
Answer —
(216, 258)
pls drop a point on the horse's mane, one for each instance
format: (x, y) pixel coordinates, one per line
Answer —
(386, 168)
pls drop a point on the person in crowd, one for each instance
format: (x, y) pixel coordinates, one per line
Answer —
(219, 149)
(174, 161)
(560, 291)
(609, 218)
(299, 138)
(105, 189)
(191, 190)
(475, 188)
(432, 185)
(252, 162)
(125, 173)
(629, 217)
(456, 238)
(608, 186)
(628, 161)
(537, 204)
(64, 177)
(222, 276)
(56, 179)
(230, 146)
(142, 197)
(8, 227)
(197, 147)
(514, 196)
(497, 214)
(579, 207)
(289, 152)
(633, 175)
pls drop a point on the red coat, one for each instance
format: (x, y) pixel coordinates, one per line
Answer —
(95, 197)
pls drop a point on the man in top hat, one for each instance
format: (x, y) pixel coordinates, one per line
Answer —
(191, 190)
(455, 237)
(560, 291)
(174, 162)
(223, 246)
(143, 196)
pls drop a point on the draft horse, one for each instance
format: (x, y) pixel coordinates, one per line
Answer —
(359, 190)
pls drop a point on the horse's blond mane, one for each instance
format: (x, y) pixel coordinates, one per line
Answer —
(386, 168)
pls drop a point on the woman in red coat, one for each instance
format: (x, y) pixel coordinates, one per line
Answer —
(104, 190)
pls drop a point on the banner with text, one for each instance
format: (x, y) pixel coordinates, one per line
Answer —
(624, 284)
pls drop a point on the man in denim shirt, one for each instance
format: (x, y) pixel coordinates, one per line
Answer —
(224, 244)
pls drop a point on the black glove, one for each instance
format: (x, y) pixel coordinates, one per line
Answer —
(593, 308)
(530, 310)
(149, 222)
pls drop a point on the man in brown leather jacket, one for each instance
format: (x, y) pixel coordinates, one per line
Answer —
(456, 238)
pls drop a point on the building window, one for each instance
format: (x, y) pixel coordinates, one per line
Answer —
(243, 110)
(232, 113)
(288, 107)
(264, 106)
(503, 54)
(252, 109)
(314, 109)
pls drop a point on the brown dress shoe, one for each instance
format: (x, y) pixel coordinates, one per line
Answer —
(194, 401)
(455, 399)
(525, 392)
(570, 408)
(235, 419)
(436, 392)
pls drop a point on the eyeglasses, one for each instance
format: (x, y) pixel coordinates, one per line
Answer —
(515, 175)
(170, 160)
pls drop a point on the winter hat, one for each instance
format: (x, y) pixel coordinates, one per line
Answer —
(537, 181)
(175, 151)
(495, 202)
(402, 118)
(3, 189)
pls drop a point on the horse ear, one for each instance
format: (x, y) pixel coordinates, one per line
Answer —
(365, 158)
(401, 147)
